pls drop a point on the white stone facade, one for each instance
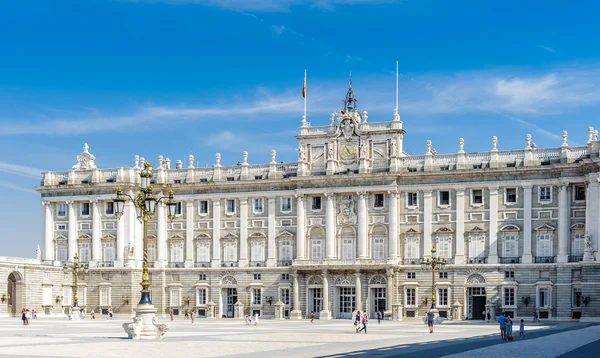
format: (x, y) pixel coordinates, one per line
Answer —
(341, 229)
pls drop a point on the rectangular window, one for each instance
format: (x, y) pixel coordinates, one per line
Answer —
(61, 226)
(316, 249)
(258, 205)
(256, 296)
(285, 277)
(256, 276)
(543, 297)
(347, 249)
(509, 274)
(178, 209)
(286, 204)
(175, 297)
(578, 244)
(201, 297)
(412, 200)
(316, 203)
(230, 206)
(580, 193)
(104, 296)
(511, 195)
(378, 248)
(84, 252)
(443, 274)
(203, 207)
(546, 193)
(412, 248)
(110, 208)
(576, 299)
(230, 252)
(444, 247)
(509, 296)
(378, 200)
(61, 253)
(511, 246)
(284, 296)
(61, 210)
(477, 198)
(85, 209)
(410, 297)
(442, 297)
(544, 248)
(202, 277)
(444, 197)
(286, 222)
(411, 275)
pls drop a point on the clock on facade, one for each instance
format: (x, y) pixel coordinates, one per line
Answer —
(347, 151)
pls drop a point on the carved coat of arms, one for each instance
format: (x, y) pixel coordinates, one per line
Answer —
(346, 214)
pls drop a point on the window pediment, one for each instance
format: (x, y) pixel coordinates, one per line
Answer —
(285, 234)
(578, 226)
(258, 235)
(109, 236)
(444, 230)
(545, 227)
(202, 236)
(177, 237)
(477, 230)
(412, 231)
(230, 236)
(510, 228)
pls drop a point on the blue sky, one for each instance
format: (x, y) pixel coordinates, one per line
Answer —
(207, 76)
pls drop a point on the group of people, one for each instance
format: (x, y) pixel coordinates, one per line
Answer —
(26, 315)
(361, 319)
(506, 327)
(250, 320)
(188, 314)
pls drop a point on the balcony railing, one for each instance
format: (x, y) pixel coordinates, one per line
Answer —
(544, 259)
(229, 264)
(576, 258)
(477, 260)
(105, 264)
(341, 262)
(416, 261)
(284, 263)
(510, 260)
(257, 264)
(202, 264)
(175, 265)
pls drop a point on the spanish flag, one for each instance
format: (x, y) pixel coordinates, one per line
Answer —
(304, 86)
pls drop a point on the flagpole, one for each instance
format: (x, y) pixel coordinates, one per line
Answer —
(305, 94)
(396, 85)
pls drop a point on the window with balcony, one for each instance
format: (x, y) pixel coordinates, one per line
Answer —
(316, 249)
(229, 251)
(444, 247)
(412, 248)
(285, 252)
(257, 251)
(379, 248)
(203, 251)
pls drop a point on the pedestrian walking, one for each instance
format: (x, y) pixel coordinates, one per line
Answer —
(357, 321)
(430, 318)
(256, 319)
(312, 317)
(364, 320)
(93, 314)
(23, 317)
(488, 316)
(522, 330)
(192, 314)
(502, 322)
(378, 317)
(509, 325)
(34, 314)
(110, 313)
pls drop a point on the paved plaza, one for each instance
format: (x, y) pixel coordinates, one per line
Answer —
(213, 338)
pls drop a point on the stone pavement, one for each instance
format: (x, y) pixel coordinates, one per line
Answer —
(47, 337)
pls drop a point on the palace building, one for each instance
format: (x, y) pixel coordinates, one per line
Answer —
(342, 229)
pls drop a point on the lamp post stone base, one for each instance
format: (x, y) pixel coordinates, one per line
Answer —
(145, 324)
(75, 314)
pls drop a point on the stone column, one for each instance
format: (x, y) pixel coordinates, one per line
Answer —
(330, 225)
(161, 236)
(216, 239)
(296, 311)
(393, 232)
(96, 232)
(592, 206)
(120, 239)
(325, 313)
(189, 233)
(48, 232)
(563, 224)
(244, 232)
(362, 226)
(358, 289)
(272, 233)
(493, 229)
(300, 228)
(72, 237)
(459, 258)
(427, 219)
(527, 223)
(390, 292)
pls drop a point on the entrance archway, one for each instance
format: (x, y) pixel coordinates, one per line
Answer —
(15, 293)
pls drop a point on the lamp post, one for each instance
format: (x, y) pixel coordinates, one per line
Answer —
(145, 326)
(433, 263)
(75, 268)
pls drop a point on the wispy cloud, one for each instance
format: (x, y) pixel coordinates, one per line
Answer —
(278, 29)
(13, 186)
(20, 170)
(547, 48)
(271, 5)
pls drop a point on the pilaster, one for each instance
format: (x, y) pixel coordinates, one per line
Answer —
(325, 313)
(271, 235)
(216, 239)
(300, 227)
(459, 258)
(427, 221)
(161, 236)
(48, 231)
(330, 227)
(563, 224)
(362, 226)
(493, 229)
(72, 236)
(527, 224)
(393, 230)
(96, 233)
(243, 262)
(296, 311)
(358, 289)
(189, 234)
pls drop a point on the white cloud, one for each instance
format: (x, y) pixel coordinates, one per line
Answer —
(12, 186)
(20, 170)
(527, 93)
(547, 48)
(278, 29)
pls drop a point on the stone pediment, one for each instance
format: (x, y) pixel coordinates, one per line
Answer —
(109, 236)
(230, 236)
(412, 231)
(286, 234)
(202, 236)
(444, 230)
(476, 229)
(85, 160)
(545, 227)
(177, 237)
(258, 235)
(510, 228)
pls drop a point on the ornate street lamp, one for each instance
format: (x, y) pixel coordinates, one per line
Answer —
(433, 263)
(75, 268)
(145, 325)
